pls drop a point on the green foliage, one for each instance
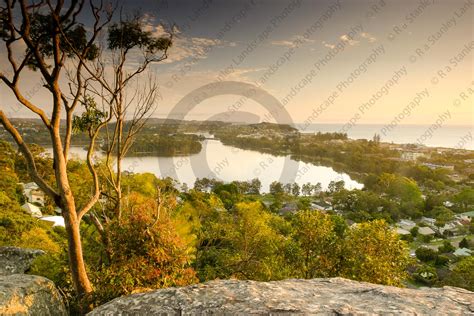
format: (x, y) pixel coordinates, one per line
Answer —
(464, 243)
(426, 254)
(426, 275)
(240, 244)
(446, 247)
(73, 39)
(374, 253)
(90, 118)
(318, 245)
(462, 275)
(146, 252)
(130, 34)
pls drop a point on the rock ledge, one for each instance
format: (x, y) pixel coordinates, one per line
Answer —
(335, 296)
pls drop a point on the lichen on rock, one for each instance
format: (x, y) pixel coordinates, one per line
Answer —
(334, 296)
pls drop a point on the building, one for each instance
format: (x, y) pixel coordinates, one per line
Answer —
(425, 231)
(56, 220)
(33, 194)
(402, 231)
(462, 252)
(428, 221)
(32, 209)
(410, 155)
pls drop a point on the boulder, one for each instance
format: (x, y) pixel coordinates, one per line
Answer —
(22, 294)
(335, 296)
(15, 260)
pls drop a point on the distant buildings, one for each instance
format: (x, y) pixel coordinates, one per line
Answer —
(411, 155)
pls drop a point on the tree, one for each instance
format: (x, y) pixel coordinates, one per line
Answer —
(464, 243)
(426, 254)
(276, 188)
(147, 252)
(306, 189)
(51, 35)
(240, 244)
(295, 189)
(373, 252)
(129, 96)
(317, 188)
(336, 186)
(319, 246)
(461, 275)
(446, 247)
(255, 186)
(61, 48)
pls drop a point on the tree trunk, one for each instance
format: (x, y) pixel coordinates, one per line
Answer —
(76, 261)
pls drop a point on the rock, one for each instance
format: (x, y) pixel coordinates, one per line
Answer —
(22, 294)
(15, 260)
(334, 296)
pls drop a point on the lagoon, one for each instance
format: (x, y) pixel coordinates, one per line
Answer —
(228, 163)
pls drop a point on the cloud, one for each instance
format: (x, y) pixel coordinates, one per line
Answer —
(294, 41)
(183, 47)
(349, 40)
(328, 45)
(282, 43)
(368, 37)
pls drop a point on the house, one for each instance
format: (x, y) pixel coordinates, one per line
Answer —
(425, 231)
(402, 231)
(33, 194)
(450, 227)
(428, 221)
(321, 206)
(448, 204)
(462, 252)
(290, 207)
(469, 215)
(406, 224)
(36, 196)
(32, 209)
(56, 220)
(435, 166)
(410, 155)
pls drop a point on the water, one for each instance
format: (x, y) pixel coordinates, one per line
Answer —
(446, 136)
(228, 163)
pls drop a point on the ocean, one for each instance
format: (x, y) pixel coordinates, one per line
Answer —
(459, 136)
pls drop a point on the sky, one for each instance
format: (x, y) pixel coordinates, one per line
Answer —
(348, 62)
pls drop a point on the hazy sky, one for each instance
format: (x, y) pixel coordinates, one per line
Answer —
(348, 62)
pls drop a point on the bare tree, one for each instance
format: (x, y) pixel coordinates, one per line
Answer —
(128, 93)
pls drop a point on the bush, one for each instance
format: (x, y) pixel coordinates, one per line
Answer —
(425, 254)
(446, 247)
(146, 252)
(426, 275)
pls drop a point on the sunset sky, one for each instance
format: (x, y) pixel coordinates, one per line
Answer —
(347, 62)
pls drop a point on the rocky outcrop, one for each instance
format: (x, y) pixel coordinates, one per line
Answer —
(335, 296)
(22, 294)
(15, 260)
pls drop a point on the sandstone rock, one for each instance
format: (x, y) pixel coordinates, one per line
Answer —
(22, 294)
(335, 296)
(15, 260)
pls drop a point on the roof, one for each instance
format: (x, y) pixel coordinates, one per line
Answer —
(402, 231)
(462, 252)
(56, 220)
(32, 209)
(30, 185)
(468, 214)
(426, 231)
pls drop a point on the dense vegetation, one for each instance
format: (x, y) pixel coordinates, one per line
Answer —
(218, 230)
